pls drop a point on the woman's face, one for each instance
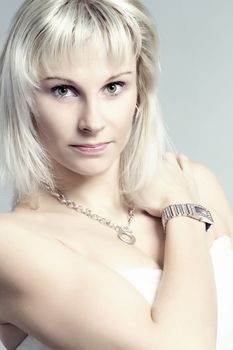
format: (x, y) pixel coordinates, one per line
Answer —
(85, 111)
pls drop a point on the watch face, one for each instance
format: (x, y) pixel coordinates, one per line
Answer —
(205, 214)
(200, 210)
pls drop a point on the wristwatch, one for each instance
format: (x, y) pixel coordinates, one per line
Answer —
(194, 211)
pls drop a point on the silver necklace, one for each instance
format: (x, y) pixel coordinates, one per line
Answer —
(124, 233)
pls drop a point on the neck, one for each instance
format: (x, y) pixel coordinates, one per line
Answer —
(94, 192)
(100, 193)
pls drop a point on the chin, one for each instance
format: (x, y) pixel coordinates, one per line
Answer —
(92, 167)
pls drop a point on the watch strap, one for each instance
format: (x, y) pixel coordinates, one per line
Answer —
(194, 211)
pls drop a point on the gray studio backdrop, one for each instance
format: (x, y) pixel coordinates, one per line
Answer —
(196, 84)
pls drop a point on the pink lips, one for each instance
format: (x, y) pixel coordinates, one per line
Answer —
(90, 149)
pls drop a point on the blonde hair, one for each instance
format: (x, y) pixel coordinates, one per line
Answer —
(41, 33)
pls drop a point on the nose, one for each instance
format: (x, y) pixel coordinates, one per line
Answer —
(91, 121)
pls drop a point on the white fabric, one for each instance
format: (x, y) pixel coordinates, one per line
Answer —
(222, 257)
(146, 281)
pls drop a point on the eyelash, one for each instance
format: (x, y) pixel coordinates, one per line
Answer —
(69, 87)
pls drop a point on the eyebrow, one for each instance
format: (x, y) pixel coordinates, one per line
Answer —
(73, 82)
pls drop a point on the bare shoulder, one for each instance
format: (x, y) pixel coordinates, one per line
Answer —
(214, 198)
(7, 220)
(9, 226)
(20, 247)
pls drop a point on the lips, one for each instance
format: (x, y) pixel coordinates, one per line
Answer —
(87, 145)
(91, 149)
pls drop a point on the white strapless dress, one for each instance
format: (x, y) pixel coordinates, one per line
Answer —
(147, 282)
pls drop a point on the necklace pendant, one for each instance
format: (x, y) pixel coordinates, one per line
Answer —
(126, 235)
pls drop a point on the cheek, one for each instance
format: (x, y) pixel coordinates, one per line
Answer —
(52, 120)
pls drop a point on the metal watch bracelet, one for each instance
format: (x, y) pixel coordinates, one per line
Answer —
(194, 211)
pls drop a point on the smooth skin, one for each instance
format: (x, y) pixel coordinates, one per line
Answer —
(58, 269)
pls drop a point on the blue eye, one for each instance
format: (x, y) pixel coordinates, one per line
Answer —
(115, 88)
(63, 91)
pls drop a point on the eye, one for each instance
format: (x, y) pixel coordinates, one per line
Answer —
(62, 91)
(115, 88)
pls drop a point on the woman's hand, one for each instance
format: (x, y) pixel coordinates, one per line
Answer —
(174, 183)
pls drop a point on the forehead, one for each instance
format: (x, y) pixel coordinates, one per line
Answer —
(93, 57)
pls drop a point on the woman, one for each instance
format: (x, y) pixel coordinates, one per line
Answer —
(116, 267)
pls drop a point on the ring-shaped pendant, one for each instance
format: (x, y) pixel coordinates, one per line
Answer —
(126, 236)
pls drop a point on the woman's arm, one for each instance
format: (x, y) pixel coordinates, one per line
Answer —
(187, 291)
(187, 288)
(185, 307)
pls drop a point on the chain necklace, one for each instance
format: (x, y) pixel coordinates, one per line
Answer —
(124, 233)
